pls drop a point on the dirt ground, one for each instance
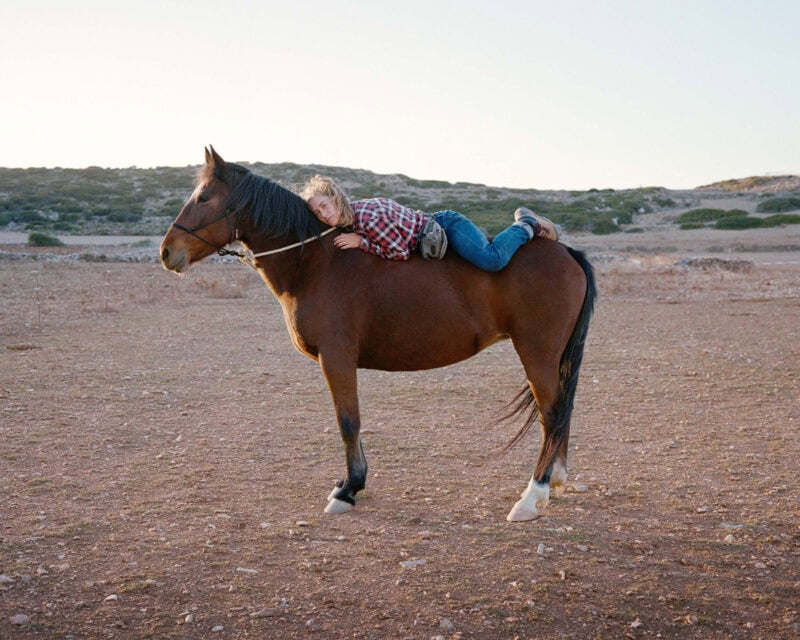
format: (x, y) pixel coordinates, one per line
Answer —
(165, 457)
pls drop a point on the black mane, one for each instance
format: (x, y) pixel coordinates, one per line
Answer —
(273, 209)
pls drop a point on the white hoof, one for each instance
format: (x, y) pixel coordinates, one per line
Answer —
(521, 513)
(338, 506)
(531, 504)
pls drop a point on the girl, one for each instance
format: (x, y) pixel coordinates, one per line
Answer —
(388, 229)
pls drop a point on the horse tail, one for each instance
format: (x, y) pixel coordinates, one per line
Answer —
(569, 368)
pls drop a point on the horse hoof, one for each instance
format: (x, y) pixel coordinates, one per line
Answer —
(521, 513)
(338, 506)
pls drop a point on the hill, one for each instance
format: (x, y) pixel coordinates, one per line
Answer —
(757, 184)
(137, 201)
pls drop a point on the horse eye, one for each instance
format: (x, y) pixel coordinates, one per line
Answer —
(202, 198)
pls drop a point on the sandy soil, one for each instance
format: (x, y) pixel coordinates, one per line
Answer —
(165, 457)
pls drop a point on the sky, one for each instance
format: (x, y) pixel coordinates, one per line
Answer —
(575, 94)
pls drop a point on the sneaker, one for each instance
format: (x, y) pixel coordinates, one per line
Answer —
(540, 226)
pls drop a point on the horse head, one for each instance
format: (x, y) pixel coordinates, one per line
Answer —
(231, 203)
(205, 224)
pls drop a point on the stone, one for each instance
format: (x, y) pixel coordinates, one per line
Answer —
(19, 620)
(410, 564)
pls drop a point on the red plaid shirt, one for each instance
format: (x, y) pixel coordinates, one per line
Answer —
(387, 228)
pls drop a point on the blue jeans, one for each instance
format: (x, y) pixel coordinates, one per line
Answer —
(471, 244)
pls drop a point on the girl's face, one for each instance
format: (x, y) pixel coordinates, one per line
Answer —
(325, 209)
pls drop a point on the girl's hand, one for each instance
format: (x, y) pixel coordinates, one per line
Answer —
(347, 241)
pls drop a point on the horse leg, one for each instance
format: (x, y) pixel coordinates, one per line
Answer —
(543, 379)
(558, 472)
(342, 381)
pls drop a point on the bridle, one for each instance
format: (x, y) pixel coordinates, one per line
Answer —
(233, 233)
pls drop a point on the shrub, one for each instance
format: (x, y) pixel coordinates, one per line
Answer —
(738, 222)
(779, 204)
(38, 239)
(779, 219)
(686, 226)
(702, 215)
(604, 227)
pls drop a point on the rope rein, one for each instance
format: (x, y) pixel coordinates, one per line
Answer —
(249, 258)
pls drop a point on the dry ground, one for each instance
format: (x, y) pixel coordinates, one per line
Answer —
(165, 457)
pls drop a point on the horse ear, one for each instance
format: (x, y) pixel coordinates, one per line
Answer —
(217, 159)
(208, 156)
(220, 167)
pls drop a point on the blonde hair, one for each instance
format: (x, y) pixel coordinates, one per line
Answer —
(325, 186)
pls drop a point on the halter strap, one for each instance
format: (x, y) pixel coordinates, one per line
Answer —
(222, 251)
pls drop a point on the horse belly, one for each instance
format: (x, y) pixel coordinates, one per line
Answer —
(417, 344)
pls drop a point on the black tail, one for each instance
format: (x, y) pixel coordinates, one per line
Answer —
(568, 377)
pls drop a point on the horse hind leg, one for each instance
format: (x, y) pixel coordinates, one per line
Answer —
(558, 472)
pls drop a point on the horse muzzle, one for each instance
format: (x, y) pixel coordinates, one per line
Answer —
(174, 259)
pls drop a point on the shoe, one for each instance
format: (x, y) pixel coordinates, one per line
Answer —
(540, 226)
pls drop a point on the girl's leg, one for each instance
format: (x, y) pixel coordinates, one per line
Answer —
(471, 244)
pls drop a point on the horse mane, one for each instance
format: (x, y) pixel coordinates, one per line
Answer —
(273, 209)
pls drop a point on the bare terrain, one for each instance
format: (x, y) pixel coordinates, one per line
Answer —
(165, 457)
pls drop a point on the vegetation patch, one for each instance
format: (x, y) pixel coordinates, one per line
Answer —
(738, 222)
(708, 215)
(780, 219)
(39, 239)
(779, 204)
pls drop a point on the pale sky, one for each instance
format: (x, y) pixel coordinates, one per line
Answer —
(536, 94)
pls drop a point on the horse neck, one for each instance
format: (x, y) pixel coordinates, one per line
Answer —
(284, 272)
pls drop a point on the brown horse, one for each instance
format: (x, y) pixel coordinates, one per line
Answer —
(348, 310)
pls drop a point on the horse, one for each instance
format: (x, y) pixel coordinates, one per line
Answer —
(349, 309)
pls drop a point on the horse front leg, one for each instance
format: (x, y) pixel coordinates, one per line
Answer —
(343, 383)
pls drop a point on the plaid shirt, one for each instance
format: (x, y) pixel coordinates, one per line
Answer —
(387, 229)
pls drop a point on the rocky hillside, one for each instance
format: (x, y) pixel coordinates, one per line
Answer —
(758, 184)
(136, 201)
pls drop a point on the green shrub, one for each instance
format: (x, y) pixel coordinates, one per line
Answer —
(664, 202)
(779, 204)
(38, 239)
(604, 227)
(779, 219)
(739, 222)
(124, 216)
(702, 215)
(686, 226)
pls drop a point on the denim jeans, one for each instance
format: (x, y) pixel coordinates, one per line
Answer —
(471, 244)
